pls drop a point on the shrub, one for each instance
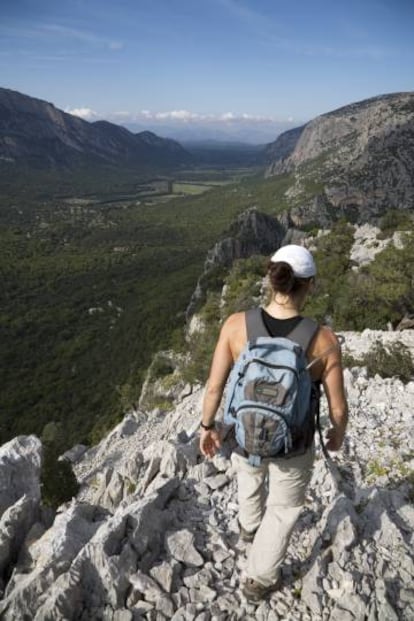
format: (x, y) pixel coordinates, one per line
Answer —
(395, 360)
(243, 284)
(58, 482)
(394, 220)
(161, 366)
(332, 257)
(201, 348)
(377, 294)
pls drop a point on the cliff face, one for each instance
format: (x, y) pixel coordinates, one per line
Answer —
(284, 146)
(36, 133)
(357, 159)
(252, 233)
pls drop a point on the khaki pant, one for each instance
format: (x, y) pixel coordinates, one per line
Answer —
(273, 511)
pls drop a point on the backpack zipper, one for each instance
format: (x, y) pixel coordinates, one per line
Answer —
(261, 407)
(271, 366)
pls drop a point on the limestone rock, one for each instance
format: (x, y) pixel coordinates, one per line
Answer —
(361, 156)
(180, 545)
(146, 585)
(166, 524)
(19, 470)
(15, 524)
(252, 233)
(75, 453)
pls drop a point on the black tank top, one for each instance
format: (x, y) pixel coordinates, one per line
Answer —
(279, 327)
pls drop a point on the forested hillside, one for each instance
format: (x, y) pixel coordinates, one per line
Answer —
(97, 270)
(90, 291)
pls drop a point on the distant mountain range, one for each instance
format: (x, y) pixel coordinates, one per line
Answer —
(37, 135)
(356, 161)
(242, 130)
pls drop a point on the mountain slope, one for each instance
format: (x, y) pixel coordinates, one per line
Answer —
(153, 532)
(358, 160)
(35, 133)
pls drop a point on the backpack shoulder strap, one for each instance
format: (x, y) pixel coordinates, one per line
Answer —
(304, 332)
(254, 325)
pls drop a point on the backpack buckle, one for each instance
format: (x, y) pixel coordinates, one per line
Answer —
(254, 460)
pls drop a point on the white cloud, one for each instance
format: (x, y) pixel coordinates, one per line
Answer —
(186, 116)
(180, 118)
(87, 114)
(177, 115)
(227, 116)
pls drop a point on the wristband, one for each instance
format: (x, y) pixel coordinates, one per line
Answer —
(207, 427)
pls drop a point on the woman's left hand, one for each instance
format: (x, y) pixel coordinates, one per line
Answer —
(210, 442)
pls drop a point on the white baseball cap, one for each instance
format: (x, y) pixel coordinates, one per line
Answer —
(299, 258)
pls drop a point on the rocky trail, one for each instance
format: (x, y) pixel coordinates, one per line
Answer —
(153, 533)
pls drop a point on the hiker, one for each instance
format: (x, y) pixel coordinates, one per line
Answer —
(267, 518)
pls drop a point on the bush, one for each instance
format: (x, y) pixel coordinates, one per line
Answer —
(394, 220)
(243, 284)
(332, 257)
(395, 360)
(58, 482)
(201, 349)
(161, 366)
(379, 293)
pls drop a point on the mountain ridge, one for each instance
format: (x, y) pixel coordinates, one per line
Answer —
(34, 132)
(358, 159)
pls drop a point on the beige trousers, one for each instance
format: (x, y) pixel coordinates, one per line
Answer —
(271, 497)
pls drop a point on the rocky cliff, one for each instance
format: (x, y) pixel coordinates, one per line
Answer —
(251, 233)
(153, 533)
(35, 133)
(356, 161)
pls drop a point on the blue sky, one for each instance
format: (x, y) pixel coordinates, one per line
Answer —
(206, 61)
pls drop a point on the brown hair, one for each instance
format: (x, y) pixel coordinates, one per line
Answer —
(283, 280)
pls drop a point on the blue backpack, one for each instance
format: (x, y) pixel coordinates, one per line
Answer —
(271, 399)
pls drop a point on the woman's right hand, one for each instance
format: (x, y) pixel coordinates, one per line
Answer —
(335, 439)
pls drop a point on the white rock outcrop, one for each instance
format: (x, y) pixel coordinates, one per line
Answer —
(368, 243)
(19, 497)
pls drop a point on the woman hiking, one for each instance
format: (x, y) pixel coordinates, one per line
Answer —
(267, 518)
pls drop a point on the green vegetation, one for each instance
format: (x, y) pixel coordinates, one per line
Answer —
(346, 299)
(190, 188)
(393, 360)
(96, 273)
(376, 469)
(238, 291)
(375, 295)
(333, 262)
(58, 482)
(91, 287)
(395, 220)
(243, 285)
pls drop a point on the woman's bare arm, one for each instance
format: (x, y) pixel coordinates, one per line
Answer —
(219, 371)
(331, 374)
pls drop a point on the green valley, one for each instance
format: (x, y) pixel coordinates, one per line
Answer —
(93, 283)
